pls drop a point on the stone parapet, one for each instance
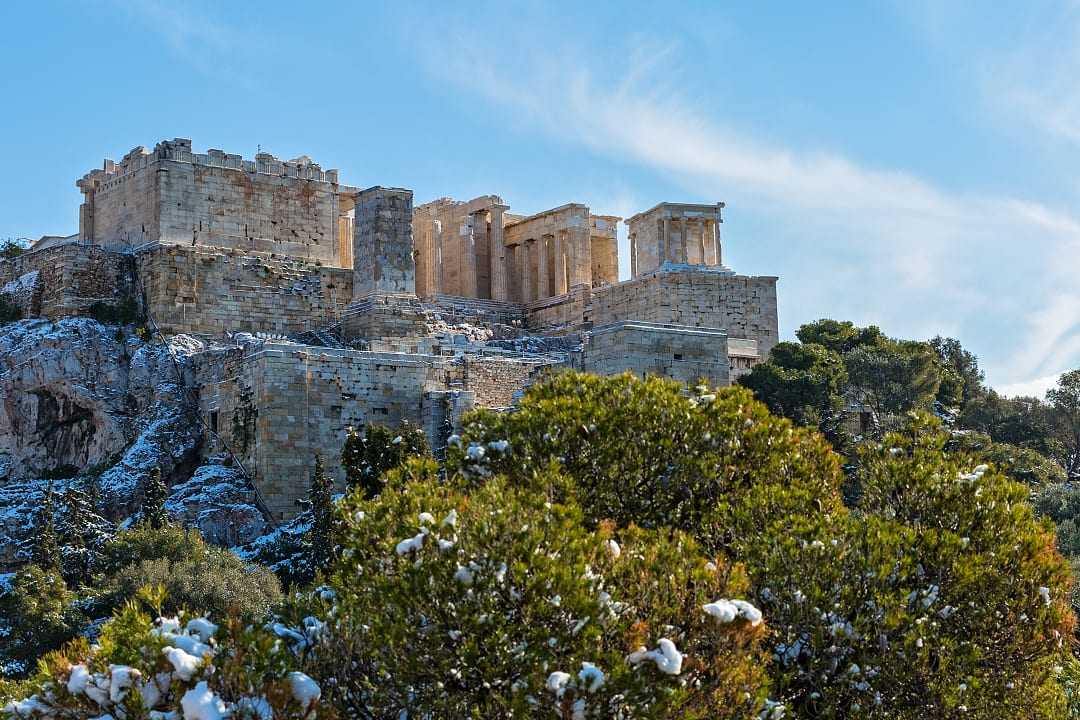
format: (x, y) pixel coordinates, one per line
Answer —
(685, 354)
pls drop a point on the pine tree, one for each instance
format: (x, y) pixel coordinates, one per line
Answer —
(78, 534)
(154, 496)
(46, 552)
(320, 498)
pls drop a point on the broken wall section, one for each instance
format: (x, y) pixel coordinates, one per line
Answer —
(212, 290)
(68, 280)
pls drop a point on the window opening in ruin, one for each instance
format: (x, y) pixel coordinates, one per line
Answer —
(214, 420)
(678, 356)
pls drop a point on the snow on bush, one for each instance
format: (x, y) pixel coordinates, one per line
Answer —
(170, 669)
(510, 607)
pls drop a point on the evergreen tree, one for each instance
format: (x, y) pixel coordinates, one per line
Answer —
(154, 496)
(367, 455)
(321, 500)
(77, 534)
(46, 551)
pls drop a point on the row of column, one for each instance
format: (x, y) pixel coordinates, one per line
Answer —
(697, 242)
(690, 241)
(544, 266)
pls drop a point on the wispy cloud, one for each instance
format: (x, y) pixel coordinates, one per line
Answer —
(873, 244)
(197, 35)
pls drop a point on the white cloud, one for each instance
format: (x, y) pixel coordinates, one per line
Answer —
(1030, 388)
(870, 244)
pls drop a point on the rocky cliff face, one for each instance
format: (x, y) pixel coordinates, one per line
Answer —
(81, 398)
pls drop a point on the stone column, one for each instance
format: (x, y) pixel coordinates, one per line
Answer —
(580, 271)
(500, 282)
(468, 259)
(665, 242)
(560, 263)
(704, 241)
(526, 290)
(437, 253)
(683, 253)
(543, 278)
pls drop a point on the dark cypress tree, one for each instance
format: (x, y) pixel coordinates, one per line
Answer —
(321, 500)
(154, 495)
(80, 532)
(46, 553)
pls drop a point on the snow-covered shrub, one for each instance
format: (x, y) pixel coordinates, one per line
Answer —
(193, 573)
(498, 603)
(172, 667)
(369, 452)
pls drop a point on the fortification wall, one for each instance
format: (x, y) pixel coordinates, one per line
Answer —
(498, 382)
(67, 279)
(561, 313)
(681, 353)
(744, 307)
(210, 291)
(175, 196)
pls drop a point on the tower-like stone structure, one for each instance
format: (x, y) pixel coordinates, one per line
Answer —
(384, 268)
(675, 234)
(383, 243)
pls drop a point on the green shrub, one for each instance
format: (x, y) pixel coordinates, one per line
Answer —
(9, 309)
(376, 448)
(644, 452)
(123, 312)
(37, 615)
(195, 575)
(498, 603)
(942, 592)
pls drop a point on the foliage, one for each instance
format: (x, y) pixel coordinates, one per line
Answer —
(155, 493)
(321, 501)
(10, 249)
(1022, 422)
(942, 591)
(368, 454)
(36, 615)
(194, 574)
(499, 603)
(1021, 464)
(893, 378)
(961, 378)
(1065, 400)
(643, 452)
(9, 309)
(46, 549)
(840, 336)
(124, 312)
(804, 383)
(81, 533)
(142, 669)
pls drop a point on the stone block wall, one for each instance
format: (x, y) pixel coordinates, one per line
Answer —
(308, 397)
(213, 290)
(562, 313)
(744, 307)
(681, 353)
(498, 382)
(383, 242)
(67, 279)
(175, 196)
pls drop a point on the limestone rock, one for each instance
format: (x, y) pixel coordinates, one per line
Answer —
(221, 503)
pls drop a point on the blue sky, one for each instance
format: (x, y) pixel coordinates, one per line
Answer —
(908, 164)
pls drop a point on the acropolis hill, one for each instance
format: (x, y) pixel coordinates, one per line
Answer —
(323, 306)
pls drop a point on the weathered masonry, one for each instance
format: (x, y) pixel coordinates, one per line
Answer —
(329, 306)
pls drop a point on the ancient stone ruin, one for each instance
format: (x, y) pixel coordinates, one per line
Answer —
(324, 306)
